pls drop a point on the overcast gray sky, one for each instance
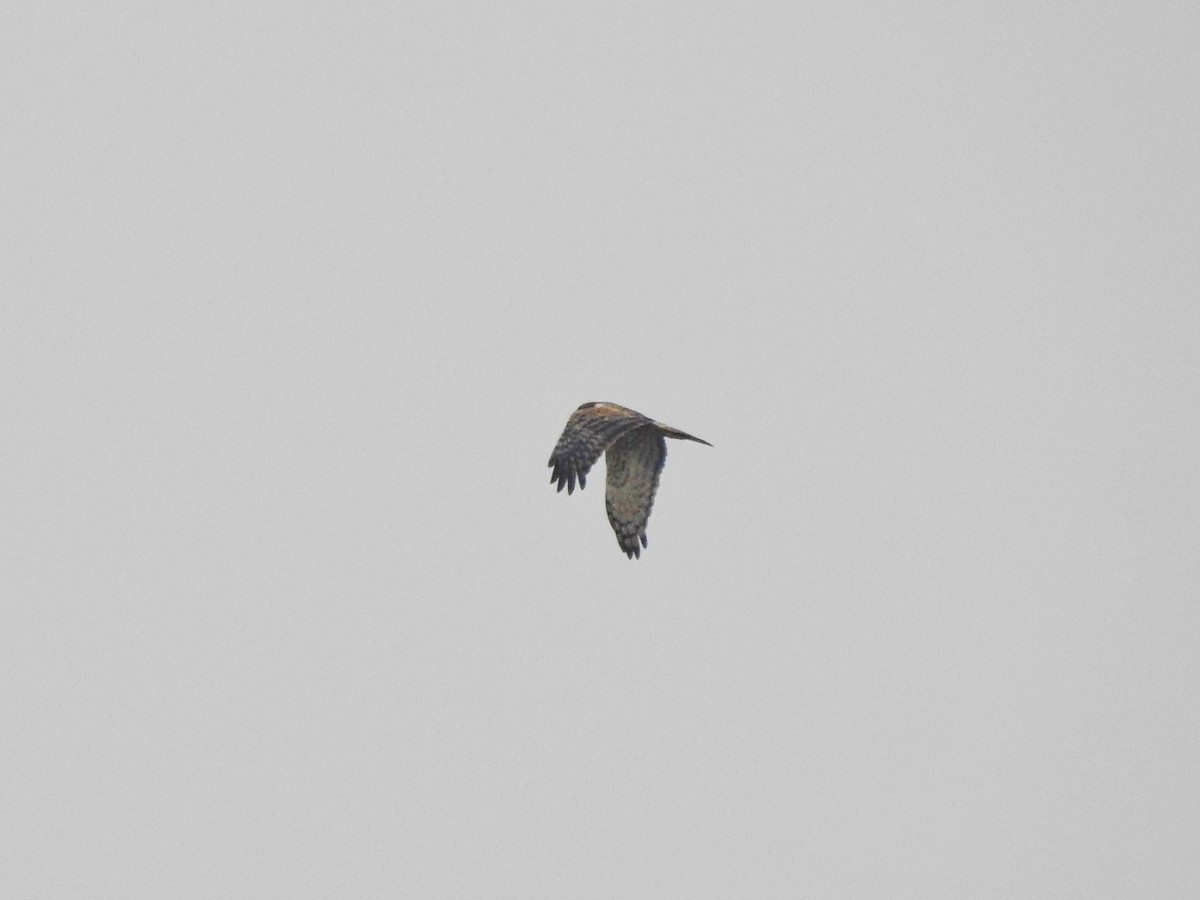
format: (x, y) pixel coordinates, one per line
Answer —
(297, 299)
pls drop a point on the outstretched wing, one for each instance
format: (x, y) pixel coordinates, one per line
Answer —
(634, 463)
(590, 431)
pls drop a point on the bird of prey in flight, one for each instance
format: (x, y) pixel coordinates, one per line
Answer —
(634, 449)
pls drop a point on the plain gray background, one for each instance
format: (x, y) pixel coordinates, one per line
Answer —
(297, 299)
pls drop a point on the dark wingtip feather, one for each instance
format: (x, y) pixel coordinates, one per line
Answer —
(629, 545)
(565, 477)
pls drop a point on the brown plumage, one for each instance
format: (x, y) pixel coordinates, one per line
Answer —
(634, 453)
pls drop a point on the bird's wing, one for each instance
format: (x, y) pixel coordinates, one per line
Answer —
(634, 463)
(590, 431)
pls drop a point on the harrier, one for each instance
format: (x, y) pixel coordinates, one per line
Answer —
(634, 453)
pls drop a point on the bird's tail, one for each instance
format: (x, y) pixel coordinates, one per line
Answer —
(683, 435)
